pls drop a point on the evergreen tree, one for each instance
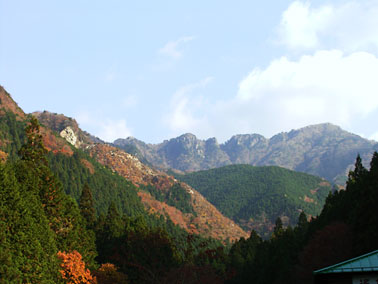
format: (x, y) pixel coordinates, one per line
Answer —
(86, 206)
(27, 246)
(33, 150)
(114, 224)
(278, 227)
(358, 173)
(61, 211)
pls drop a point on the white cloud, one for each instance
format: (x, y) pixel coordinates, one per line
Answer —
(110, 130)
(130, 101)
(300, 25)
(328, 86)
(171, 49)
(350, 26)
(104, 128)
(184, 108)
(374, 137)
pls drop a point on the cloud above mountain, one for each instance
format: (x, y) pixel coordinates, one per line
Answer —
(327, 75)
(107, 129)
(348, 26)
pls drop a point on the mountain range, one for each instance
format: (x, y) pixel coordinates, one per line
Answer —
(324, 150)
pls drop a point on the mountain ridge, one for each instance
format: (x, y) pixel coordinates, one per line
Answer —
(325, 150)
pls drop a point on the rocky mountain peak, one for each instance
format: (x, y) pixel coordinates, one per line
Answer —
(248, 140)
(187, 138)
(212, 142)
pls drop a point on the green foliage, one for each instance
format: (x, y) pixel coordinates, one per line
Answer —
(27, 245)
(61, 210)
(86, 206)
(151, 250)
(12, 134)
(175, 196)
(242, 192)
(38, 218)
(33, 151)
(106, 186)
(347, 227)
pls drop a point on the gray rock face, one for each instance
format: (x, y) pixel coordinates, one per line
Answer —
(68, 134)
(324, 150)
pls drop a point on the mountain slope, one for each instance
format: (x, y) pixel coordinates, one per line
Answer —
(113, 175)
(324, 150)
(255, 196)
(206, 220)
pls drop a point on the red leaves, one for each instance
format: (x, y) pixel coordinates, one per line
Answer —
(73, 269)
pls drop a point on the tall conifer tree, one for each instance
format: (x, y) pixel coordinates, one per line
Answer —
(61, 210)
(86, 206)
(27, 246)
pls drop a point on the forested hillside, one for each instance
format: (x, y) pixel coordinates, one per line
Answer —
(48, 238)
(255, 196)
(84, 214)
(347, 227)
(136, 189)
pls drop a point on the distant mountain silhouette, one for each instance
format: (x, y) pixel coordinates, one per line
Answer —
(324, 150)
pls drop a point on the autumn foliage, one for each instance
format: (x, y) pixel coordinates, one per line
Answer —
(73, 269)
(108, 274)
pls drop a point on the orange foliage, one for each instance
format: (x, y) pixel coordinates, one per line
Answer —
(88, 165)
(73, 269)
(108, 274)
(54, 144)
(9, 104)
(3, 156)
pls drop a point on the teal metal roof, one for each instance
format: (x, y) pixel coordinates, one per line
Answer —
(364, 263)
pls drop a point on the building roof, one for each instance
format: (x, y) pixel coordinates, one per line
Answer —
(364, 263)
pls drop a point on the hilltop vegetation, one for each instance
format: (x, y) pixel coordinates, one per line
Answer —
(252, 196)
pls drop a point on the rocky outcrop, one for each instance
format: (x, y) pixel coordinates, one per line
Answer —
(67, 128)
(68, 134)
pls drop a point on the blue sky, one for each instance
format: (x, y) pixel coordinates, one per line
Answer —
(158, 69)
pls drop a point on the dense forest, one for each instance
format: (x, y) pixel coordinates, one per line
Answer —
(60, 223)
(57, 219)
(346, 227)
(245, 192)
